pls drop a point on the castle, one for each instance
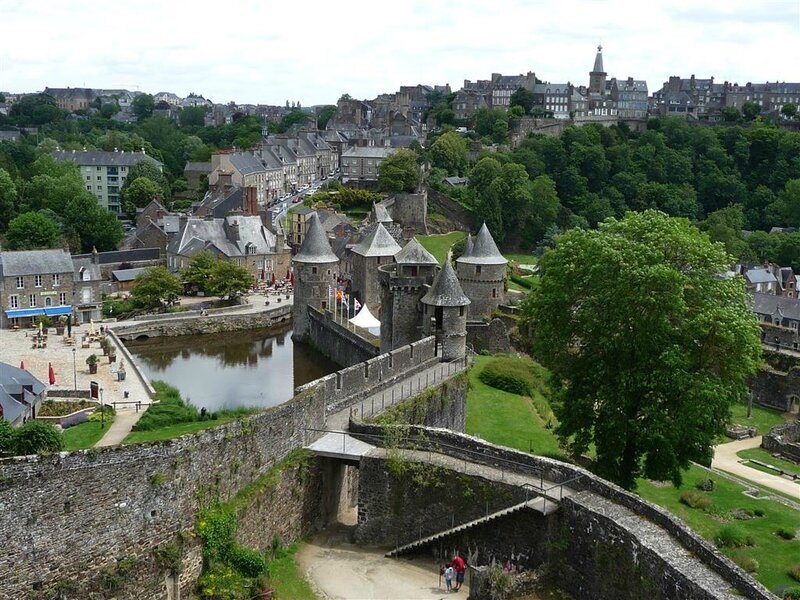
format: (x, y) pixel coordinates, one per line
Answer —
(405, 287)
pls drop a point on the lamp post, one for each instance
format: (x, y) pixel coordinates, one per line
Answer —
(74, 372)
(102, 411)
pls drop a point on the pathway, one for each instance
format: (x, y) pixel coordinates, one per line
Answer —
(725, 459)
(124, 421)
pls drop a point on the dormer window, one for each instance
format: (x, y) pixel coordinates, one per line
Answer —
(84, 274)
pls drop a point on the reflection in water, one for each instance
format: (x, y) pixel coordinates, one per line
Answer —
(231, 369)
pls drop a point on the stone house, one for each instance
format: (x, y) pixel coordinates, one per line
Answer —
(554, 98)
(631, 97)
(71, 99)
(193, 172)
(87, 282)
(242, 169)
(787, 282)
(468, 101)
(760, 280)
(21, 394)
(240, 238)
(360, 165)
(34, 283)
(503, 86)
(777, 311)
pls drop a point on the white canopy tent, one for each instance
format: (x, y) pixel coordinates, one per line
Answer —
(365, 320)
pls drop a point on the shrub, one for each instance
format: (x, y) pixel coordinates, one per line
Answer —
(794, 571)
(792, 593)
(510, 374)
(696, 500)
(6, 437)
(248, 562)
(732, 536)
(706, 485)
(759, 512)
(36, 437)
(170, 409)
(747, 563)
(786, 533)
(522, 282)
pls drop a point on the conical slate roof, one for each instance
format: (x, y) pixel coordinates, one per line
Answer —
(378, 243)
(468, 246)
(414, 253)
(446, 290)
(598, 61)
(316, 248)
(484, 250)
(380, 214)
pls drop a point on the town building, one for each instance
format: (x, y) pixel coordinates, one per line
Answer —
(87, 293)
(631, 97)
(777, 311)
(104, 173)
(71, 99)
(503, 86)
(21, 394)
(360, 165)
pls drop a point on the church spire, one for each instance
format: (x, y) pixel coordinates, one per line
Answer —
(597, 78)
(598, 61)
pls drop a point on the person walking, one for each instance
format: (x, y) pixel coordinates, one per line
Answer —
(448, 578)
(460, 567)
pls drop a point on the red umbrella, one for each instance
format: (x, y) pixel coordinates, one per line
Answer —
(263, 275)
(22, 364)
(288, 274)
(51, 373)
(273, 279)
(291, 278)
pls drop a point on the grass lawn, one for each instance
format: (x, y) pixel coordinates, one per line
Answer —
(173, 431)
(766, 457)
(523, 259)
(763, 419)
(439, 244)
(84, 435)
(504, 418)
(774, 554)
(286, 580)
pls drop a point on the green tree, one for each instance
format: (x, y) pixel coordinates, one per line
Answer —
(6, 438)
(145, 168)
(155, 286)
(139, 193)
(785, 210)
(789, 110)
(500, 131)
(324, 115)
(523, 98)
(483, 174)
(200, 270)
(192, 116)
(8, 198)
(142, 106)
(449, 152)
(649, 363)
(399, 172)
(731, 114)
(750, 110)
(36, 437)
(32, 230)
(229, 279)
(725, 225)
(109, 109)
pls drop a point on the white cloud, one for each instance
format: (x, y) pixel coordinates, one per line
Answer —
(267, 52)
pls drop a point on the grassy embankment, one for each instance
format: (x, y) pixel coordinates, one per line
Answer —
(439, 244)
(516, 421)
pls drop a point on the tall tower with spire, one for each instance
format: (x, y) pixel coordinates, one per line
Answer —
(482, 274)
(315, 270)
(597, 77)
(444, 314)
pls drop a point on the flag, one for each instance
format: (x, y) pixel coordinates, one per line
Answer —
(338, 295)
(346, 300)
(356, 305)
(22, 365)
(51, 373)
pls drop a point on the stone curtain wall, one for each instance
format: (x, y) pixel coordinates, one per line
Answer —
(774, 389)
(454, 211)
(335, 341)
(491, 336)
(205, 324)
(410, 210)
(460, 444)
(73, 516)
(349, 386)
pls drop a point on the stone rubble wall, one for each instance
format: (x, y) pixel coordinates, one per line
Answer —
(784, 440)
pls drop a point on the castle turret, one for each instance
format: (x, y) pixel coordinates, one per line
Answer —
(315, 270)
(376, 249)
(468, 246)
(445, 314)
(482, 274)
(402, 286)
(597, 78)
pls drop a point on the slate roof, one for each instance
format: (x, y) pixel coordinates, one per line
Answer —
(219, 204)
(772, 305)
(380, 214)
(34, 262)
(484, 250)
(13, 398)
(760, 276)
(468, 246)
(378, 243)
(246, 163)
(446, 290)
(126, 274)
(197, 167)
(598, 61)
(216, 234)
(103, 158)
(414, 253)
(87, 265)
(368, 152)
(315, 248)
(118, 256)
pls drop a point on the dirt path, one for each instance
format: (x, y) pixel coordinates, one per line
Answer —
(725, 459)
(339, 570)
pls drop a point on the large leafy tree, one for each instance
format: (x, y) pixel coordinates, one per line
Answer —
(8, 198)
(155, 286)
(523, 98)
(228, 279)
(143, 106)
(399, 172)
(145, 168)
(449, 152)
(649, 345)
(200, 270)
(139, 193)
(32, 230)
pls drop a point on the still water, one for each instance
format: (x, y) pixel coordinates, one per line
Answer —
(225, 370)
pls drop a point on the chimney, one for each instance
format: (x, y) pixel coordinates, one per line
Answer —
(95, 256)
(233, 231)
(250, 204)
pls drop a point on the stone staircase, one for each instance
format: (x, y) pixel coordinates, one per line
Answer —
(540, 504)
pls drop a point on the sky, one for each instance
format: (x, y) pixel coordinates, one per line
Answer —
(271, 51)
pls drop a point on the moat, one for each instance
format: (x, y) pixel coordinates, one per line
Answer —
(258, 368)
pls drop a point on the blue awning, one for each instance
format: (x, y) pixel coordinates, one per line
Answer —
(24, 312)
(58, 310)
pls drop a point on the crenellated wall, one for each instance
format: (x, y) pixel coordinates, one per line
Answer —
(334, 340)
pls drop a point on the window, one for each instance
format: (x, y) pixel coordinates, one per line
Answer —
(13, 301)
(32, 300)
(62, 298)
(99, 178)
(88, 187)
(48, 301)
(313, 270)
(477, 269)
(56, 279)
(460, 311)
(37, 281)
(86, 295)
(20, 283)
(494, 292)
(99, 188)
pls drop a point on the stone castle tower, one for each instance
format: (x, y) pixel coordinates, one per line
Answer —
(403, 284)
(482, 273)
(315, 270)
(376, 249)
(597, 78)
(444, 314)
